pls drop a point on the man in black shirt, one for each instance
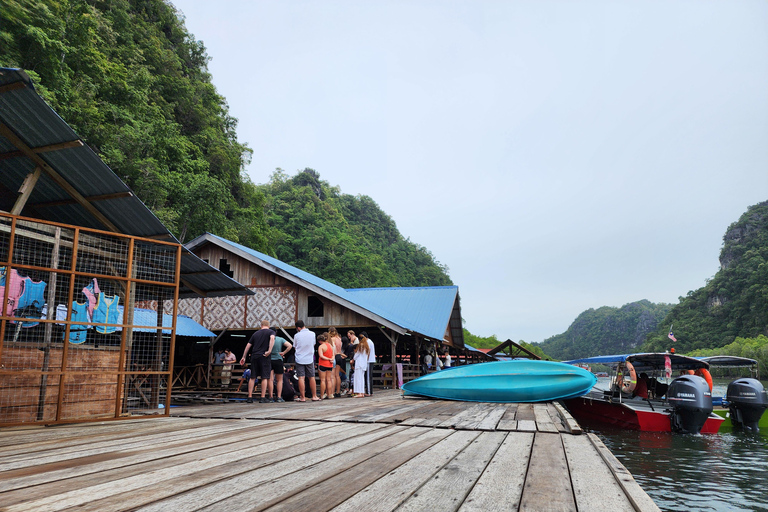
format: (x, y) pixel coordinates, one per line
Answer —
(262, 342)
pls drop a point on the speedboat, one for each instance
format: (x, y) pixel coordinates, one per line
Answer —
(745, 399)
(638, 400)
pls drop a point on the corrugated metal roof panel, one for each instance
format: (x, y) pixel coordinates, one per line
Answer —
(425, 310)
(428, 310)
(37, 125)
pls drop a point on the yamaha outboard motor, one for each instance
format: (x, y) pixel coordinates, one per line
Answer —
(691, 403)
(747, 401)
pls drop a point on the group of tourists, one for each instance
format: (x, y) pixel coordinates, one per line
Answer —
(337, 359)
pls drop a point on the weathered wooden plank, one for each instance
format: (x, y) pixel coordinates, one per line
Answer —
(556, 418)
(570, 423)
(508, 421)
(462, 413)
(446, 490)
(547, 483)
(526, 426)
(341, 486)
(470, 421)
(305, 467)
(149, 442)
(501, 485)
(91, 436)
(525, 412)
(391, 490)
(543, 420)
(384, 415)
(639, 498)
(409, 411)
(147, 487)
(118, 460)
(431, 416)
(33, 435)
(594, 487)
(492, 419)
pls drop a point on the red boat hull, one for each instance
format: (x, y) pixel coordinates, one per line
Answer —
(628, 416)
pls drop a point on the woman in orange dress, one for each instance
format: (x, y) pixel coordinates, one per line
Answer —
(325, 366)
(335, 340)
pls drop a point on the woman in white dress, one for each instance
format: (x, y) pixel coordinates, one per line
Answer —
(361, 364)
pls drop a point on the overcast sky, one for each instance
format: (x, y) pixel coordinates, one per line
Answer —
(555, 155)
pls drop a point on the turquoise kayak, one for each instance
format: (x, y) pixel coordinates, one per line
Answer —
(520, 380)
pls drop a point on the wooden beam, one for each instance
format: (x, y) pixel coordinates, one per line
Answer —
(12, 87)
(11, 154)
(91, 199)
(55, 176)
(26, 189)
(193, 288)
(43, 149)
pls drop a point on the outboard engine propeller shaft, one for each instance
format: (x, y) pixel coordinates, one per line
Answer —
(747, 400)
(691, 403)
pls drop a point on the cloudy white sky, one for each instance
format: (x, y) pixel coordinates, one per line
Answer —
(555, 155)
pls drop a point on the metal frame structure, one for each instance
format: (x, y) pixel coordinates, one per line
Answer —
(108, 363)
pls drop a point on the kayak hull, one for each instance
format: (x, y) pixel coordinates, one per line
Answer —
(504, 381)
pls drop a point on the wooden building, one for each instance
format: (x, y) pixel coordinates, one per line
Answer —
(89, 278)
(401, 321)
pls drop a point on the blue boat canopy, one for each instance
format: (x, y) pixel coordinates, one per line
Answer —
(646, 362)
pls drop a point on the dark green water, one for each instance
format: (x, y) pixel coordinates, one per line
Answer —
(719, 472)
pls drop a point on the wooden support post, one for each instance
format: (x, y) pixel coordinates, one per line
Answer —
(48, 330)
(158, 362)
(210, 357)
(172, 350)
(25, 190)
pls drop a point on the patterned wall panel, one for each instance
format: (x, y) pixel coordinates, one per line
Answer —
(276, 304)
(224, 313)
(187, 307)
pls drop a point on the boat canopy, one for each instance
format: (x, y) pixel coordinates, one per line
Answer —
(646, 362)
(731, 361)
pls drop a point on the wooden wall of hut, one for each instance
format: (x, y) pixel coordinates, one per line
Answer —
(277, 300)
(87, 395)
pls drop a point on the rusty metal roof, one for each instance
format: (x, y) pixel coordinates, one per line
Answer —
(75, 186)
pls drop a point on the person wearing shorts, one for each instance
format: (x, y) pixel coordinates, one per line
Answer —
(304, 345)
(262, 342)
(279, 350)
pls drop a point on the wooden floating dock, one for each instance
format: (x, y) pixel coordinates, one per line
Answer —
(383, 453)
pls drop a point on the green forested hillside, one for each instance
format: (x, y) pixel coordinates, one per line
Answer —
(134, 84)
(346, 239)
(734, 303)
(607, 330)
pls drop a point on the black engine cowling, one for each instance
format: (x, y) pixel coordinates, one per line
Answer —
(747, 401)
(691, 402)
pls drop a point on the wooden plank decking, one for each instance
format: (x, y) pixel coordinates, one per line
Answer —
(381, 453)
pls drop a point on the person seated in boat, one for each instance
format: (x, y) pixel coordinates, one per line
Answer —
(656, 389)
(641, 389)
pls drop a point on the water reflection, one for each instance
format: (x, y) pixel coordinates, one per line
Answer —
(720, 472)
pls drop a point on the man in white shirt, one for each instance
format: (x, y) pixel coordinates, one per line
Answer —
(371, 359)
(447, 359)
(304, 346)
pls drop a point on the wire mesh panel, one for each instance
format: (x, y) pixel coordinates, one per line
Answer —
(81, 335)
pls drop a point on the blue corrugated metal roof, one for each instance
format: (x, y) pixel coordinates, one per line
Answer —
(424, 310)
(185, 326)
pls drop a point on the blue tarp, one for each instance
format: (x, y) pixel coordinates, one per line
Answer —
(147, 319)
